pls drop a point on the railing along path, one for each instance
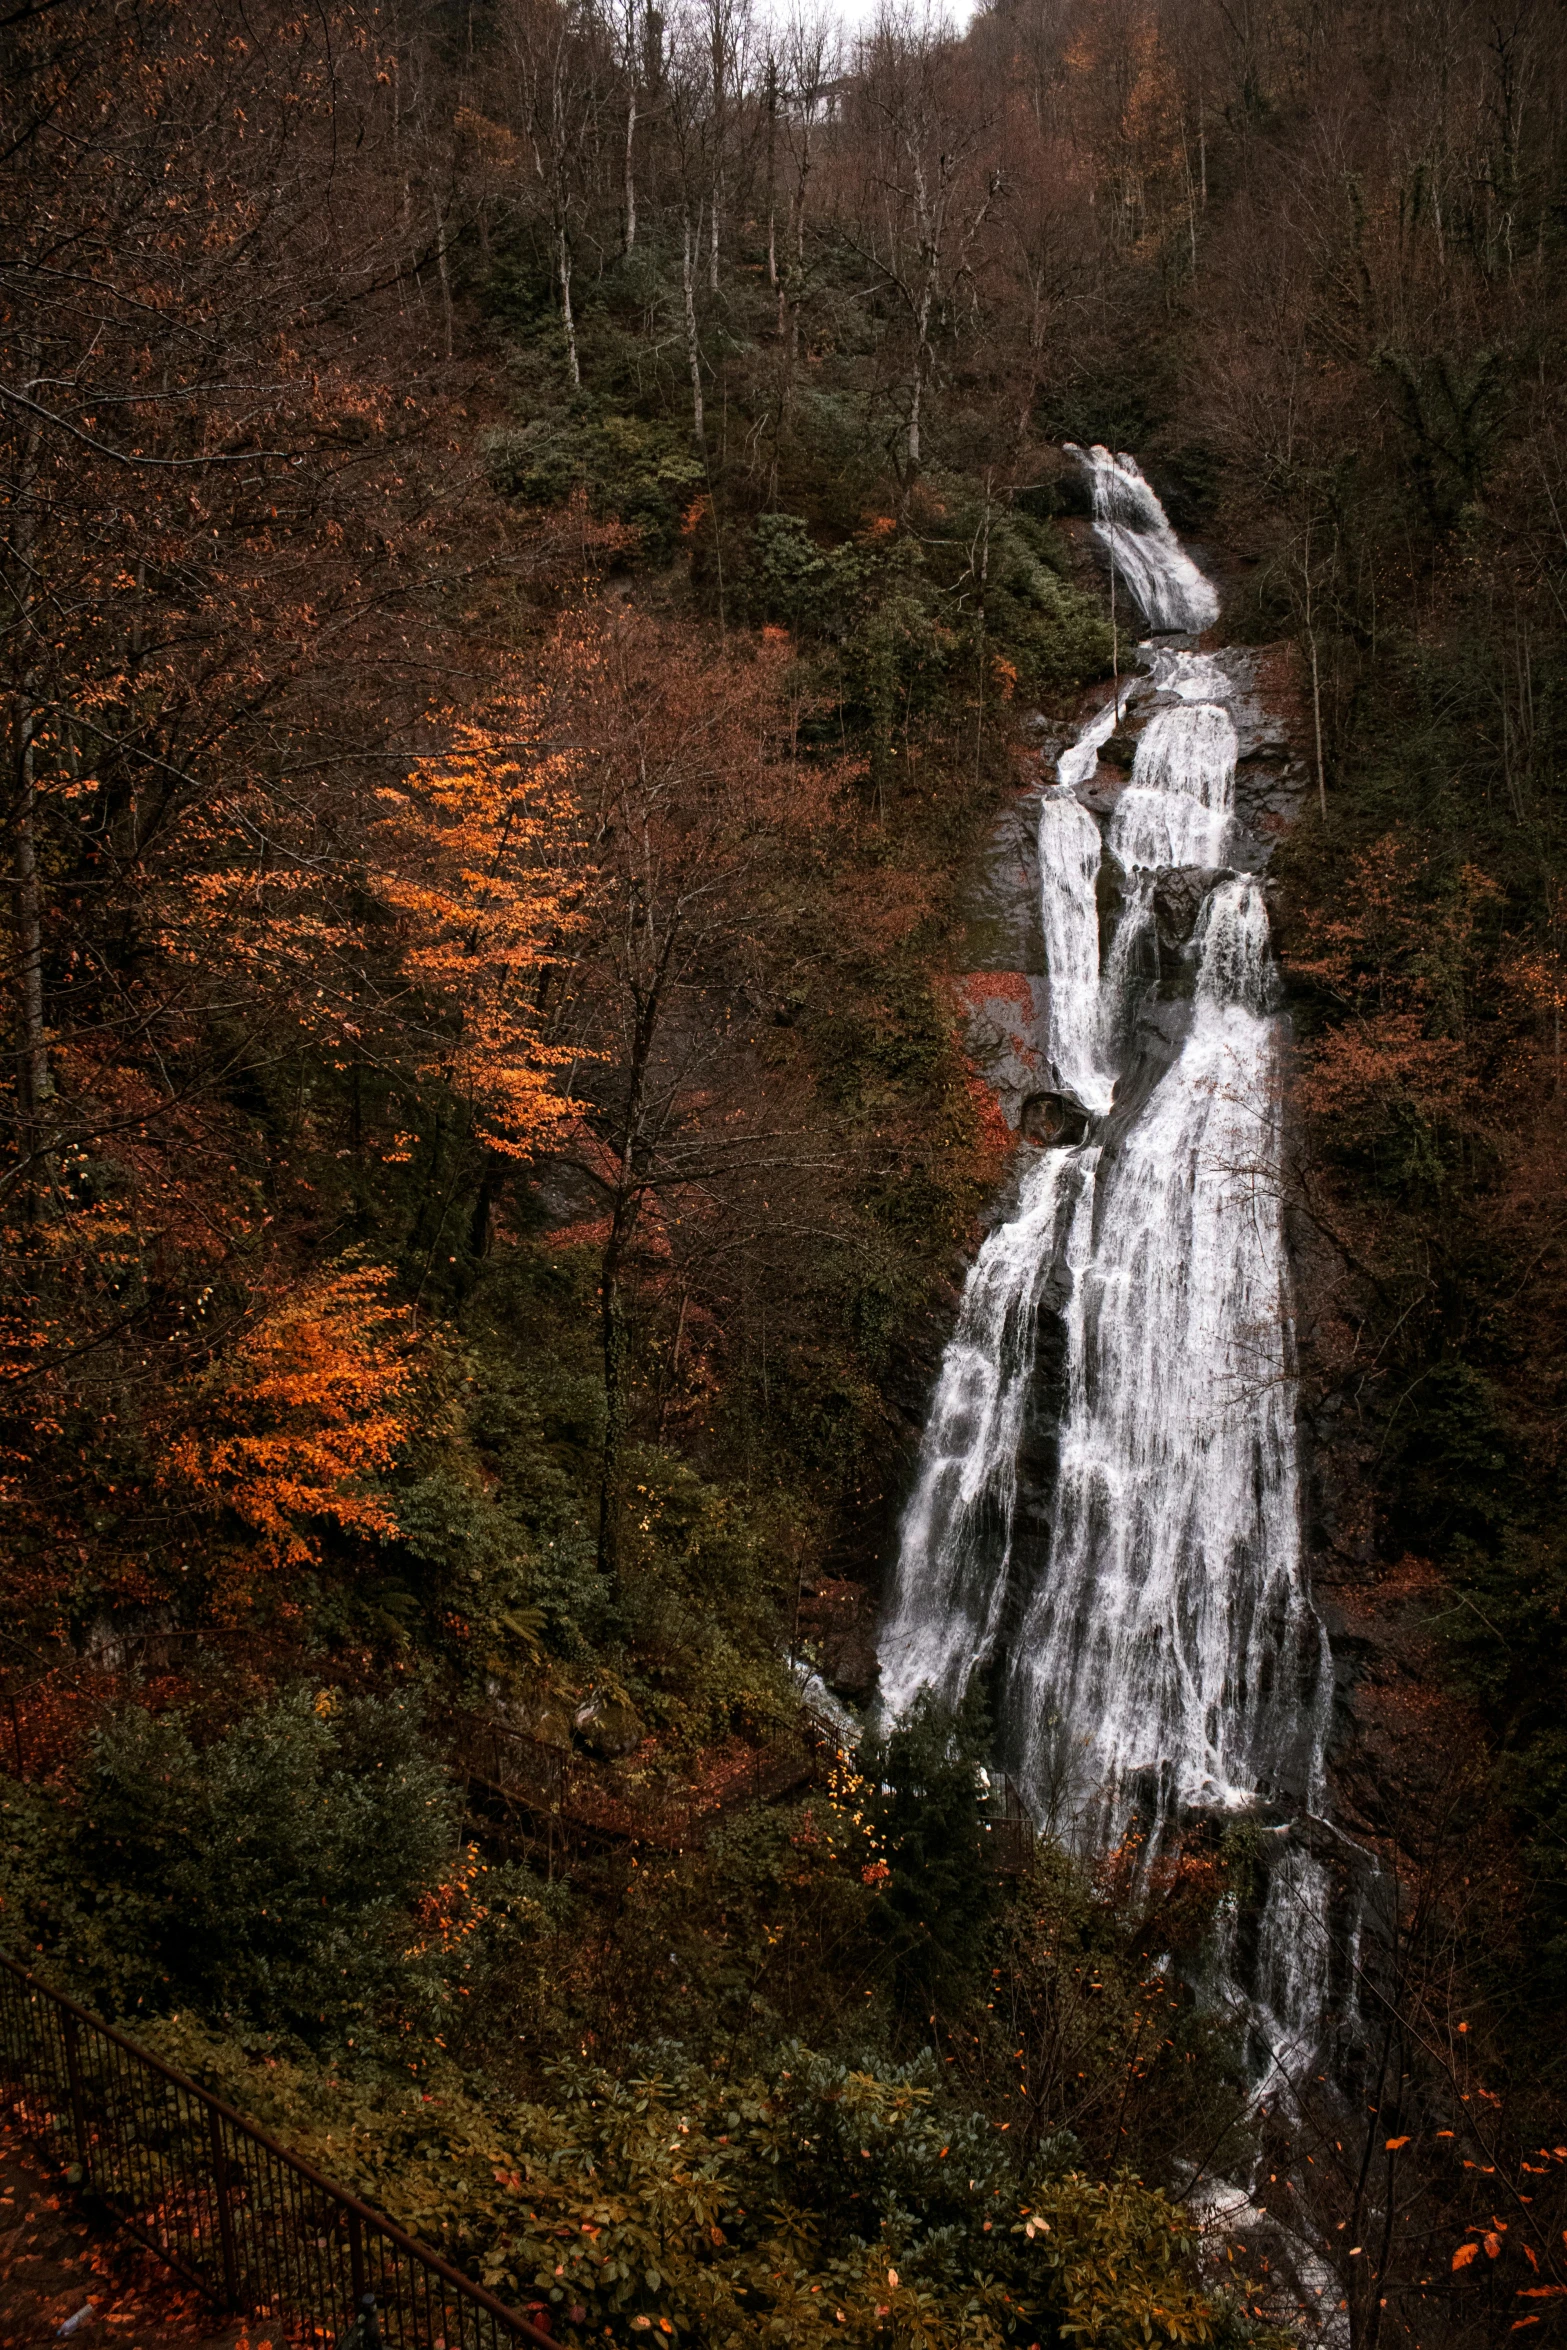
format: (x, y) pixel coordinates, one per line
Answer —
(258, 2230)
(558, 1800)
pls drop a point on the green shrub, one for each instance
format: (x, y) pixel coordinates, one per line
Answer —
(269, 1874)
(806, 2202)
(641, 472)
(941, 1895)
(910, 605)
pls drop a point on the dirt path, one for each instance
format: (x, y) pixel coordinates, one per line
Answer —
(54, 2261)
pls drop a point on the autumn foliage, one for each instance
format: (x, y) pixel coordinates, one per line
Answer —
(272, 887)
(486, 1152)
(295, 1422)
(462, 860)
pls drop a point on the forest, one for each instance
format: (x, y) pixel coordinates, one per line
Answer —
(537, 538)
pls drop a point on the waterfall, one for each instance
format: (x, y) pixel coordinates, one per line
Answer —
(1144, 551)
(1069, 854)
(1106, 1513)
(1168, 1658)
(957, 1530)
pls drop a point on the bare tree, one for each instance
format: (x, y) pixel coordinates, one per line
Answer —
(557, 72)
(925, 184)
(812, 64)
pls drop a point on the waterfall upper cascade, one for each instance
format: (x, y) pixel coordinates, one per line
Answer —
(1106, 1514)
(1144, 552)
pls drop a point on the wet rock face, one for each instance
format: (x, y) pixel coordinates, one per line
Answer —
(609, 1726)
(1157, 1035)
(1039, 1448)
(1005, 991)
(1103, 789)
(1177, 900)
(1007, 1017)
(1271, 778)
(1004, 994)
(1001, 928)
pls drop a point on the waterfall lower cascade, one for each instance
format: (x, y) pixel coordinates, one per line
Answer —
(1105, 1523)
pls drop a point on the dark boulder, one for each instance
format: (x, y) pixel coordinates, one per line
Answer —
(1177, 901)
(1052, 1118)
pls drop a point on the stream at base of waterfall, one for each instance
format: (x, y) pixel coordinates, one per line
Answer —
(1105, 1523)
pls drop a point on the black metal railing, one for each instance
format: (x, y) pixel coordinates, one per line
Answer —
(233, 2212)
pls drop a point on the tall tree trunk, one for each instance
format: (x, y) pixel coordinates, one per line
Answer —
(567, 320)
(444, 267)
(922, 356)
(37, 1082)
(720, 90)
(1036, 346)
(612, 1341)
(1316, 682)
(481, 1228)
(622, 1226)
(688, 287)
(35, 1079)
(631, 169)
(772, 202)
(796, 273)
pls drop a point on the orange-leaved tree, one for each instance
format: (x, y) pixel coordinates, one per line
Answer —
(291, 1427)
(468, 857)
(242, 558)
(1392, 962)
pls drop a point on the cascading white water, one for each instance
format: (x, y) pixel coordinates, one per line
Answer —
(959, 1522)
(1154, 1650)
(1144, 551)
(1069, 853)
(1175, 812)
(1168, 1659)
(1176, 809)
(1077, 763)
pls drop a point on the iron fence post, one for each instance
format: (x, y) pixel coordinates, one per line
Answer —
(73, 2083)
(356, 2258)
(220, 2189)
(42, 2035)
